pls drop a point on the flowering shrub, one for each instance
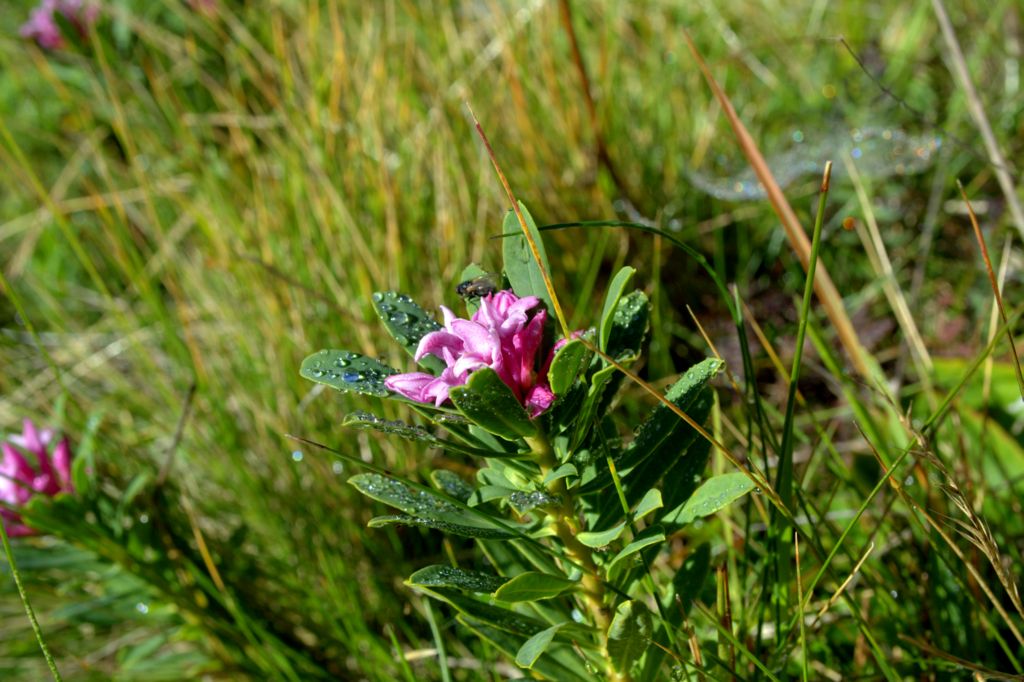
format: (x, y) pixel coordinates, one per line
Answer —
(21, 479)
(569, 515)
(501, 336)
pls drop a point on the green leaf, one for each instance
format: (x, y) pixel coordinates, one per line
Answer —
(451, 484)
(460, 578)
(588, 413)
(487, 401)
(611, 303)
(347, 371)
(490, 613)
(649, 536)
(716, 493)
(663, 426)
(523, 272)
(443, 525)
(650, 502)
(685, 588)
(533, 586)
(528, 654)
(407, 323)
(688, 583)
(563, 471)
(629, 634)
(629, 326)
(425, 508)
(569, 361)
(602, 538)
(393, 427)
(564, 665)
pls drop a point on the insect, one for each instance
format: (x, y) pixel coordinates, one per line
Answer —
(478, 286)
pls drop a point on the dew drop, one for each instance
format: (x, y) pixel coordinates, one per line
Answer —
(142, 608)
(297, 455)
(351, 377)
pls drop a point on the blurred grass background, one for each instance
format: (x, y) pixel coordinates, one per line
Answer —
(206, 197)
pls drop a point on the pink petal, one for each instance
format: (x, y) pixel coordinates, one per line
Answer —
(410, 385)
(477, 340)
(62, 463)
(435, 343)
(538, 399)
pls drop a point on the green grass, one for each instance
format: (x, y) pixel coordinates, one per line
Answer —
(193, 200)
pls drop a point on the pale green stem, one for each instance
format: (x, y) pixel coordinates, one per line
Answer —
(566, 527)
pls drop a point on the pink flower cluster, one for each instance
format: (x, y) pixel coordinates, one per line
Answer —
(20, 480)
(42, 25)
(501, 335)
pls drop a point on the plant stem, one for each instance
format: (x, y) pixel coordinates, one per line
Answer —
(28, 607)
(567, 527)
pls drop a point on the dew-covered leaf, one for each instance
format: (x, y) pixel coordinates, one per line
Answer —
(629, 327)
(365, 420)
(714, 494)
(602, 538)
(441, 524)
(451, 484)
(488, 402)
(523, 272)
(425, 508)
(407, 323)
(460, 578)
(526, 501)
(629, 634)
(532, 649)
(533, 586)
(663, 427)
(569, 361)
(347, 371)
(611, 303)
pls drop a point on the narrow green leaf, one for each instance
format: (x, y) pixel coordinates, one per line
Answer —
(451, 484)
(441, 524)
(650, 502)
(522, 271)
(347, 371)
(533, 586)
(564, 666)
(629, 634)
(493, 614)
(393, 427)
(487, 401)
(569, 361)
(535, 646)
(425, 508)
(567, 469)
(629, 327)
(716, 493)
(407, 323)
(460, 578)
(611, 303)
(602, 538)
(663, 425)
(649, 536)
(688, 583)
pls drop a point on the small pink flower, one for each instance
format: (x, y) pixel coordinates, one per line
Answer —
(20, 480)
(42, 24)
(501, 335)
